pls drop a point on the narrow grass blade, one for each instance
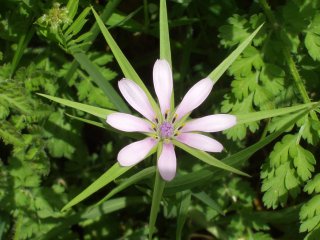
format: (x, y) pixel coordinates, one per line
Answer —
(100, 80)
(218, 71)
(115, 171)
(165, 51)
(123, 62)
(22, 44)
(72, 8)
(206, 199)
(77, 24)
(188, 181)
(207, 158)
(96, 111)
(145, 173)
(256, 116)
(158, 188)
(185, 198)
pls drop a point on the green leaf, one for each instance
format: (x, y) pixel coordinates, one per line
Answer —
(256, 116)
(100, 80)
(145, 173)
(310, 214)
(207, 158)
(303, 160)
(78, 24)
(110, 175)
(313, 186)
(312, 39)
(279, 174)
(72, 7)
(158, 188)
(250, 58)
(185, 198)
(98, 112)
(218, 71)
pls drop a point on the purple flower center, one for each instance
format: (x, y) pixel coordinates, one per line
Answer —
(166, 130)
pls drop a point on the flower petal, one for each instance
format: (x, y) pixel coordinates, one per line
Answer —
(137, 98)
(167, 163)
(163, 84)
(200, 142)
(128, 123)
(194, 97)
(211, 123)
(135, 152)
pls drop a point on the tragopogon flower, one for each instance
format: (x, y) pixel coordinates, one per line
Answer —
(170, 124)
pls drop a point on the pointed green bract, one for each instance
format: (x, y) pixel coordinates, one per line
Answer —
(103, 83)
(218, 71)
(96, 111)
(94, 123)
(256, 116)
(123, 62)
(207, 158)
(165, 51)
(115, 171)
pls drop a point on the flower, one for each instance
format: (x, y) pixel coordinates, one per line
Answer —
(167, 124)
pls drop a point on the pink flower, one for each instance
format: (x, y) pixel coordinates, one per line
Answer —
(169, 124)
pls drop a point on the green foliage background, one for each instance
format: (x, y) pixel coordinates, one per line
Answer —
(48, 156)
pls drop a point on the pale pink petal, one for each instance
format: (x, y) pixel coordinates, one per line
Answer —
(211, 123)
(162, 81)
(200, 142)
(194, 97)
(135, 152)
(136, 97)
(128, 123)
(167, 163)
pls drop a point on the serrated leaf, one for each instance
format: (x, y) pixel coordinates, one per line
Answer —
(310, 214)
(313, 186)
(226, 63)
(303, 160)
(247, 62)
(312, 39)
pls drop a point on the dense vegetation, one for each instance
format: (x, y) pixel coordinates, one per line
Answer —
(49, 153)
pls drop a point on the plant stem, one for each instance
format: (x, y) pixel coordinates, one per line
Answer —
(288, 57)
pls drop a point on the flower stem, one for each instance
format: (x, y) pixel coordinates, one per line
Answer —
(288, 57)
